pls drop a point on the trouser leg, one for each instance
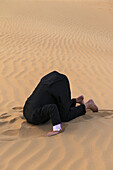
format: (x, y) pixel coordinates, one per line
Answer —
(73, 102)
(62, 93)
(76, 112)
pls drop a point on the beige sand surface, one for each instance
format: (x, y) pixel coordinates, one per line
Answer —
(72, 37)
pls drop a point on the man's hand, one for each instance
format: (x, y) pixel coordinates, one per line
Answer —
(53, 133)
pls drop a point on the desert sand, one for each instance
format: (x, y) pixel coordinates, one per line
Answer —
(74, 38)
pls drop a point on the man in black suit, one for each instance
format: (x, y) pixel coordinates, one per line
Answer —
(51, 99)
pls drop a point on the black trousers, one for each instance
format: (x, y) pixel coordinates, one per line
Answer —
(61, 108)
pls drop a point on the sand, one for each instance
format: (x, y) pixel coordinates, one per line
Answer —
(74, 38)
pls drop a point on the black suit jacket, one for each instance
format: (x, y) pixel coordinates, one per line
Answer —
(42, 95)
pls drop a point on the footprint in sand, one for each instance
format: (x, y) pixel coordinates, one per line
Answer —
(87, 117)
(4, 114)
(2, 123)
(14, 132)
(110, 117)
(22, 117)
(13, 120)
(4, 117)
(18, 108)
(107, 114)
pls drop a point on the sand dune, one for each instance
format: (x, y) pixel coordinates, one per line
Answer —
(72, 37)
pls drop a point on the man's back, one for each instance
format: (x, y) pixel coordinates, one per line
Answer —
(41, 95)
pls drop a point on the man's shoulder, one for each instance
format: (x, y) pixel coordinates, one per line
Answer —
(52, 77)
